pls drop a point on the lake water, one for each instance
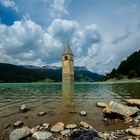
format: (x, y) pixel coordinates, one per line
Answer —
(62, 102)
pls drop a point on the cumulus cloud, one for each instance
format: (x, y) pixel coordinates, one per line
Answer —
(25, 42)
(58, 7)
(9, 3)
(63, 29)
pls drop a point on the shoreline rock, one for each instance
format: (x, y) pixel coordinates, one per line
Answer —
(101, 104)
(40, 135)
(83, 113)
(18, 123)
(19, 133)
(24, 108)
(120, 109)
(71, 126)
(57, 127)
(84, 130)
(41, 114)
(133, 102)
(84, 124)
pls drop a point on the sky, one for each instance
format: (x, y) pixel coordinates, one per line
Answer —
(101, 33)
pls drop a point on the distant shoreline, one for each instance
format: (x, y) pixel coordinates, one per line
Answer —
(105, 82)
(134, 80)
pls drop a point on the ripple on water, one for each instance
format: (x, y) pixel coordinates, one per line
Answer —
(61, 100)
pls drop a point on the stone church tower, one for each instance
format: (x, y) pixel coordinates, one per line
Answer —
(67, 65)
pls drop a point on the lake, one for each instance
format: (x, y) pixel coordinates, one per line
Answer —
(62, 102)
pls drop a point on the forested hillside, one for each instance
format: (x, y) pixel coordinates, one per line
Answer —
(14, 73)
(129, 68)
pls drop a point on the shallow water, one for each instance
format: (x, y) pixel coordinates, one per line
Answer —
(62, 102)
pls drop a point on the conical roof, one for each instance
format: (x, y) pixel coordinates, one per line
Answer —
(67, 50)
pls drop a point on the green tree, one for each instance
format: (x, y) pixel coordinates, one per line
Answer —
(132, 74)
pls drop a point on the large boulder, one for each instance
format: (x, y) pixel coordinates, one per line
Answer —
(19, 133)
(133, 102)
(120, 109)
(84, 134)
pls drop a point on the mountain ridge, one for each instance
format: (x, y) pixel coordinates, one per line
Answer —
(29, 73)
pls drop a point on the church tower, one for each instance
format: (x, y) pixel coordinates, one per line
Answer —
(67, 65)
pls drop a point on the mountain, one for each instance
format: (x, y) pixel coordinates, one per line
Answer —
(129, 68)
(29, 73)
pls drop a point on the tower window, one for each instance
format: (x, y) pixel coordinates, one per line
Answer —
(66, 57)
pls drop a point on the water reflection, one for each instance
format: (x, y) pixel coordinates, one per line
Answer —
(67, 97)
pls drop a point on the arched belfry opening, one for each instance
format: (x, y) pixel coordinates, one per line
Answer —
(67, 65)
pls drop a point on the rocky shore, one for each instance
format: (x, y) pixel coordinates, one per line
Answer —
(128, 113)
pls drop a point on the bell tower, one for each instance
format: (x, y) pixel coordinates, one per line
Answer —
(67, 65)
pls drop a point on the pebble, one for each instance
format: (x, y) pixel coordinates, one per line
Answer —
(106, 136)
(18, 123)
(42, 135)
(41, 128)
(83, 113)
(84, 124)
(46, 125)
(65, 132)
(33, 130)
(91, 127)
(41, 113)
(19, 133)
(71, 126)
(101, 104)
(57, 127)
(24, 108)
(100, 134)
(38, 127)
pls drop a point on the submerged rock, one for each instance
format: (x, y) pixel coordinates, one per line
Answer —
(84, 124)
(19, 133)
(83, 113)
(40, 135)
(18, 123)
(133, 102)
(24, 108)
(41, 113)
(120, 109)
(101, 104)
(84, 134)
(57, 127)
(71, 126)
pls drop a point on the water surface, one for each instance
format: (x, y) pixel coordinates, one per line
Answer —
(62, 102)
